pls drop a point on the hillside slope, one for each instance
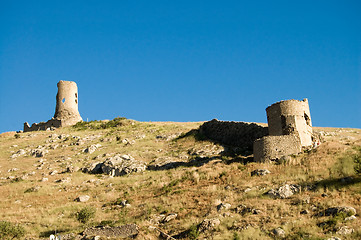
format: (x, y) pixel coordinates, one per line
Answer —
(177, 182)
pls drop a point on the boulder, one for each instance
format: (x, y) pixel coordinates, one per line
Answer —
(279, 232)
(82, 198)
(208, 224)
(120, 165)
(260, 172)
(284, 191)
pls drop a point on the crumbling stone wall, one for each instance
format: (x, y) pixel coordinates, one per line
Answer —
(290, 117)
(271, 148)
(238, 134)
(66, 111)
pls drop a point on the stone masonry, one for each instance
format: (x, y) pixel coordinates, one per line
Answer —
(290, 117)
(289, 128)
(66, 111)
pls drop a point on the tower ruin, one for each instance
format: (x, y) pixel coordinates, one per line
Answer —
(67, 103)
(290, 117)
(66, 110)
(289, 129)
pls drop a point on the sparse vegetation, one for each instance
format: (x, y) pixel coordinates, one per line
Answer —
(186, 175)
(9, 231)
(85, 214)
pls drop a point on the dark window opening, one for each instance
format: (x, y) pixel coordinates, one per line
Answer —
(308, 119)
(76, 101)
(76, 95)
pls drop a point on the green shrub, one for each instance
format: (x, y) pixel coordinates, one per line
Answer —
(193, 232)
(17, 135)
(357, 160)
(85, 214)
(9, 230)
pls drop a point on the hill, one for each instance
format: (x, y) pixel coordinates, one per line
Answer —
(173, 182)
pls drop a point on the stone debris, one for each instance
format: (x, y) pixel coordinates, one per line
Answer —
(63, 180)
(344, 230)
(19, 153)
(82, 198)
(125, 231)
(13, 169)
(52, 173)
(260, 172)
(334, 238)
(120, 165)
(284, 191)
(208, 224)
(169, 217)
(243, 209)
(279, 232)
(223, 206)
(91, 148)
(39, 152)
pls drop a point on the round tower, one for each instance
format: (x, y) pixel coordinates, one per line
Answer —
(67, 103)
(290, 117)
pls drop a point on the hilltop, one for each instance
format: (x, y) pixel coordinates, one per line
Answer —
(173, 182)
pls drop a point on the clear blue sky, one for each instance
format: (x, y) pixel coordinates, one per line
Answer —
(180, 60)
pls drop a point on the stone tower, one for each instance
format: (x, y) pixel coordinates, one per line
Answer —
(66, 111)
(67, 103)
(290, 117)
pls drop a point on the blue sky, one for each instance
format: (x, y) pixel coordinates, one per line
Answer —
(181, 60)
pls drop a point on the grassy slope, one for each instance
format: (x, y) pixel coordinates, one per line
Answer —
(193, 192)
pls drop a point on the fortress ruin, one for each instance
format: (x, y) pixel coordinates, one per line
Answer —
(289, 128)
(66, 110)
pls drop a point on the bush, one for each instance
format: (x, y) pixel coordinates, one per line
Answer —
(85, 214)
(357, 161)
(9, 230)
(96, 125)
(193, 232)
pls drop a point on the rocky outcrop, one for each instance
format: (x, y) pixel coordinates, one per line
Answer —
(117, 165)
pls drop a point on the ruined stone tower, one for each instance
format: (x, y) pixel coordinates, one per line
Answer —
(289, 129)
(290, 117)
(66, 111)
(67, 103)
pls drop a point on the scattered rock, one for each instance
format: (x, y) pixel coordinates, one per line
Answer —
(351, 218)
(91, 148)
(120, 165)
(82, 198)
(260, 172)
(284, 191)
(279, 232)
(39, 152)
(44, 179)
(304, 212)
(223, 206)
(63, 180)
(208, 224)
(334, 238)
(169, 217)
(52, 173)
(19, 153)
(32, 189)
(243, 209)
(344, 230)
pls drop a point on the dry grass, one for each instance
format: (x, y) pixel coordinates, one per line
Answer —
(192, 191)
